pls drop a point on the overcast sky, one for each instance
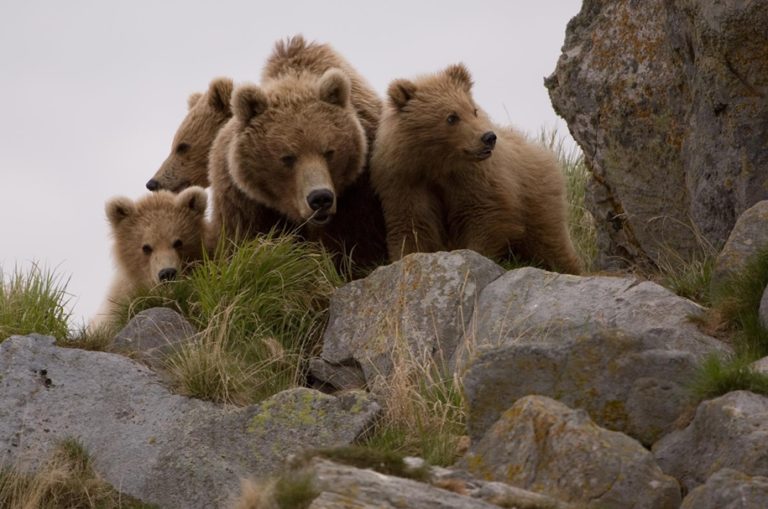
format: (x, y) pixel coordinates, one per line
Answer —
(92, 93)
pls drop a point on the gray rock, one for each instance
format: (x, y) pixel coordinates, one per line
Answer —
(729, 489)
(621, 349)
(748, 237)
(541, 445)
(760, 366)
(423, 301)
(338, 376)
(345, 486)
(153, 334)
(727, 432)
(156, 446)
(667, 101)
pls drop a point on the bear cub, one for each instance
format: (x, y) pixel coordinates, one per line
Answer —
(187, 164)
(155, 238)
(448, 178)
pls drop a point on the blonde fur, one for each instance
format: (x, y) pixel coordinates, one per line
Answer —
(441, 189)
(160, 231)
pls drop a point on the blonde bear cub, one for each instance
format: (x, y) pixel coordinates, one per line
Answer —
(155, 238)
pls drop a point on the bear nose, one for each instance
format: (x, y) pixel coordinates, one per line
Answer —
(489, 139)
(168, 274)
(153, 185)
(320, 199)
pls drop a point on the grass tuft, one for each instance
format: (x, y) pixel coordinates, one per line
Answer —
(718, 376)
(65, 481)
(261, 310)
(33, 301)
(383, 461)
(737, 302)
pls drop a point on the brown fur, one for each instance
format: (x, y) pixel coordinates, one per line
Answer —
(308, 127)
(187, 164)
(440, 193)
(160, 231)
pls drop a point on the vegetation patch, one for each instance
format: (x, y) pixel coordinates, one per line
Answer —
(736, 304)
(33, 301)
(261, 310)
(65, 481)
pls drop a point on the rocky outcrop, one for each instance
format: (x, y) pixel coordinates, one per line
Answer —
(422, 303)
(748, 238)
(728, 431)
(667, 99)
(152, 335)
(623, 350)
(162, 448)
(540, 444)
(729, 489)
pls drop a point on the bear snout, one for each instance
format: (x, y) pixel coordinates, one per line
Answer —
(153, 185)
(167, 274)
(489, 139)
(320, 199)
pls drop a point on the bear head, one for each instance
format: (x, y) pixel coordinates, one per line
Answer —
(298, 144)
(156, 236)
(438, 115)
(187, 164)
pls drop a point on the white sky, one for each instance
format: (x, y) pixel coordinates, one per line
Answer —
(91, 93)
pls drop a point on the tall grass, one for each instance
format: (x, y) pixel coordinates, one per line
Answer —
(65, 481)
(735, 309)
(33, 301)
(261, 310)
(581, 224)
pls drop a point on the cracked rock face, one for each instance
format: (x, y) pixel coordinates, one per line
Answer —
(423, 302)
(159, 447)
(623, 350)
(669, 101)
(727, 432)
(542, 445)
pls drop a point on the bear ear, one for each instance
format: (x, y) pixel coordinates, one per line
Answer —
(193, 99)
(400, 92)
(459, 74)
(334, 88)
(118, 209)
(193, 198)
(220, 94)
(248, 101)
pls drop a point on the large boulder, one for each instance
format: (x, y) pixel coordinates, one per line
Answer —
(422, 304)
(621, 349)
(152, 335)
(162, 448)
(541, 445)
(729, 489)
(667, 99)
(748, 238)
(729, 431)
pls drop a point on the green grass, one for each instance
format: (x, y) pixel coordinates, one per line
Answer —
(689, 278)
(737, 302)
(735, 305)
(720, 376)
(581, 224)
(261, 308)
(66, 481)
(33, 301)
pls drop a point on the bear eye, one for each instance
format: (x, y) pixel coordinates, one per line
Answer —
(475, 111)
(181, 148)
(329, 154)
(177, 244)
(452, 119)
(147, 249)
(288, 161)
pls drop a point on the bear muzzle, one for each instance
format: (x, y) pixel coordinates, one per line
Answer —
(321, 202)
